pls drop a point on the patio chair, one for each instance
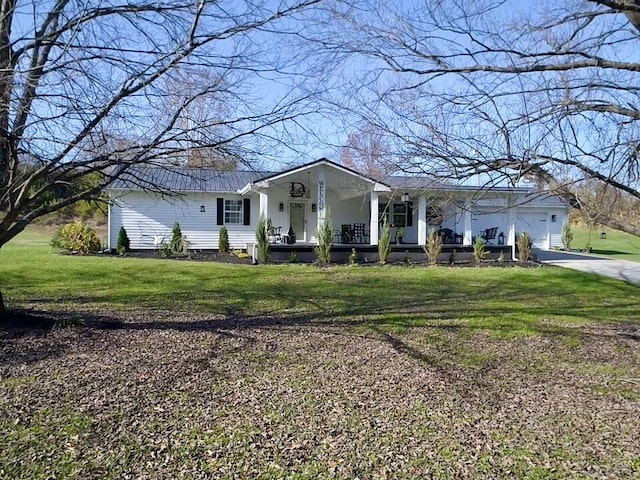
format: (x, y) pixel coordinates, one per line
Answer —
(275, 235)
(447, 235)
(346, 233)
(489, 234)
(359, 233)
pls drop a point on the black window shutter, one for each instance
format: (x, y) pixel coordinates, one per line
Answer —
(247, 211)
(409, 214)
(220, 211)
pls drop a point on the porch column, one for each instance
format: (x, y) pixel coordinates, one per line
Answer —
(373, 224)
(264, 205)
(322, 197)
(468, 228)
(511, 221)
(422, 220)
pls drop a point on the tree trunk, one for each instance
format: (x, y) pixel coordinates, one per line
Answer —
(3, 312)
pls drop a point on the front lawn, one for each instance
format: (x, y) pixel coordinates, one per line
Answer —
(613, 244)
(201, 370)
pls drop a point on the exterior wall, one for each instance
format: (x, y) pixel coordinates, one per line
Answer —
(544, 224)
(343, 212)
(146, 216)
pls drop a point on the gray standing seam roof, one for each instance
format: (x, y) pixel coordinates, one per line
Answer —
(177, 179)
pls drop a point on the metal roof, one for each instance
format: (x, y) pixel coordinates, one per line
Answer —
(178, 179)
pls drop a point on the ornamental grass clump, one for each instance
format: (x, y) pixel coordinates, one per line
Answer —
(325, 238)
(262, 236)
(384, 245)
(433, 248)
(524, 247)
(479, 250)
(567, 235)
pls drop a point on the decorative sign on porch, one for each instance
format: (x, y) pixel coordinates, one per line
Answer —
(321, 198)
(297, 190)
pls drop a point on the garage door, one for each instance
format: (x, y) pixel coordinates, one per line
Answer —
(536, 225)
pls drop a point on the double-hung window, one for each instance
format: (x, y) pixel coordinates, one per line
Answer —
(232, 211)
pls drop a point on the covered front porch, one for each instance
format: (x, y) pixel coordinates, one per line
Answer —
(297, 201)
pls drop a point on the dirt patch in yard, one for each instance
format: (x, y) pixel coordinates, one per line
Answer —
(167, 395)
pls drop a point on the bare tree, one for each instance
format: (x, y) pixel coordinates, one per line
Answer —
(75, 75)
(367, 152)
(502, 91)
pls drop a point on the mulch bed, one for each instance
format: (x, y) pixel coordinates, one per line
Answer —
(170, 395)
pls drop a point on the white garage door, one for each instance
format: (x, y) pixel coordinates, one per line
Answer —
(536, 225)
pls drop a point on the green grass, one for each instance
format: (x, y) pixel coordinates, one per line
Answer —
(505, 301)
(616, 244)
(368, 372)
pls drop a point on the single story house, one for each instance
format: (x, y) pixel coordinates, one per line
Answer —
(148, 201)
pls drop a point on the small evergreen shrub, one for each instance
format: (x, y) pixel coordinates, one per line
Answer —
(384, 244)
(433, 248)
(76, 237)
(176, 238)
(524, 247)
(479, 252)
(325, 239)
(123, 241)
(223, 240)
(567, 235)
(262, 236)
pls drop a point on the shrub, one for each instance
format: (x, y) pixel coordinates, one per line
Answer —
(479, 252)
(433, 247)
(262, 236)
(76, 237)
(567, 235)
(293, 256)
(176, 238)
(384, 244)
(223, 240)
(123, 241)
(353, 258)
(524, 247)
(69, 322)
(325, 238)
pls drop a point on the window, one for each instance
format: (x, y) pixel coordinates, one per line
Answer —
(399, 215)
(395, 214)
(554, 218)
(232, 211)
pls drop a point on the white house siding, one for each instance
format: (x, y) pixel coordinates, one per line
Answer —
(544, 224)
(147, 216)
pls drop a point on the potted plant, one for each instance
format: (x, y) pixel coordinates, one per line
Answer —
(399, 235)
(291, 236)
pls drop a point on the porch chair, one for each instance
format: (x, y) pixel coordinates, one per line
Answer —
(274, 235)
(489, 234)
(446, 234)
(346, 233)
(359, 233)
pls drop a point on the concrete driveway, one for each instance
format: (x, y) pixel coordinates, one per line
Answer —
(607, 267)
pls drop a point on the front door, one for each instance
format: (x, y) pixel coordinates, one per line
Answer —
(297, 220)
